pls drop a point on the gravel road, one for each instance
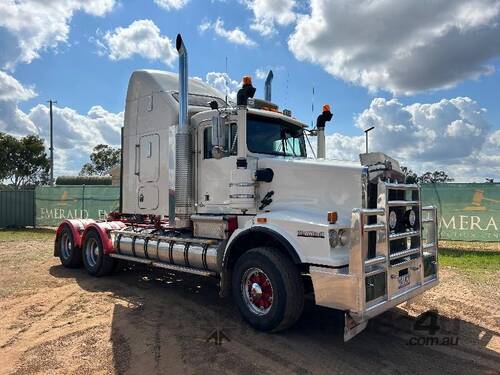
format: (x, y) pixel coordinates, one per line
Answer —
(139, 321)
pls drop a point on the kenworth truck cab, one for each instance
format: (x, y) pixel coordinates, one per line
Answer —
(228, 191)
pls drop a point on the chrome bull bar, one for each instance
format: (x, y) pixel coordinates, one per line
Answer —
(375, 269)
(384, 266)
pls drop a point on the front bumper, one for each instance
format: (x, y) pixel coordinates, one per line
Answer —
(370, 285)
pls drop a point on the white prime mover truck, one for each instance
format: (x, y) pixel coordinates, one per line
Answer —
(227, 191)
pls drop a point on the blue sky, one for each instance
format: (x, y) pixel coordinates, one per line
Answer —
(424, 74)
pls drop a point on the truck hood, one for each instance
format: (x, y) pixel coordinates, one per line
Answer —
(310, 188)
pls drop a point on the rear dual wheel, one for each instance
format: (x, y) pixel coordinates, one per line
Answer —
(69, 254)
(95, 261)
(268, 289)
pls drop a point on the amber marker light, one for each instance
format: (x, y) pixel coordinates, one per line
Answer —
(261, 220)
(332, 217)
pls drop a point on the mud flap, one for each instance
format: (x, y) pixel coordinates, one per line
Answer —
(351, 327)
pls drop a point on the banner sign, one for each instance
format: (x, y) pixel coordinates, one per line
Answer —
(56, 203)
(467, 212)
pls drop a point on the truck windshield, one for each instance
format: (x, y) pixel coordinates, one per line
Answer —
(274, 136)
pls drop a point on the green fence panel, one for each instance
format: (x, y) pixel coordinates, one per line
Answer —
(467, 212)
(17, 208)
(56, 203)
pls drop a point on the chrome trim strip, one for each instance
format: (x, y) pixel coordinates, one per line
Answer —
(163, 265)
(404, 253)
(376, 260)
(401, 186)
(373, 227)
(398, 236)
(374, 272)
(402, 203)
(372, 211)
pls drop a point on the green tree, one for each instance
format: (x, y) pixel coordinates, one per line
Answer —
(410, 176)
(433, 177)
(426, 178)
(102, 159)
(23, 162)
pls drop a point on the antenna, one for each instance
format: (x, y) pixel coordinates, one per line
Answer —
(225, 79)
(286, 88)
(312, 109)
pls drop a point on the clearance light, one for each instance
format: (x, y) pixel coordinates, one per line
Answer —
(261, 220)
(332, 217)
(247, 80)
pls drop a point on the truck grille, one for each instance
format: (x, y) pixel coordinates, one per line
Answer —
(393, 259)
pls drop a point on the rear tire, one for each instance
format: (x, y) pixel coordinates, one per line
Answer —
(267, 289)
(69, 255)
(95, 261)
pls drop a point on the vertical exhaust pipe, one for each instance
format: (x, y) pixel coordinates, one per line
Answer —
(267, 86)
(323, 118)
(183, 155)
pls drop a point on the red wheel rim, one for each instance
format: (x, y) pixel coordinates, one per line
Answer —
(257, 291)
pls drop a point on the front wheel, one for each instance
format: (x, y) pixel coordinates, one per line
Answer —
(267, 289)
(96, 262)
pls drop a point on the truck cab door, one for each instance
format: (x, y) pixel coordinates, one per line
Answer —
(212, 193)
(147, 170)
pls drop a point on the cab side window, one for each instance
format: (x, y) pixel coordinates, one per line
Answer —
(230, 147)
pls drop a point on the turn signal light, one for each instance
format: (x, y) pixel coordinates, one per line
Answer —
(332, 217)
(261, 220)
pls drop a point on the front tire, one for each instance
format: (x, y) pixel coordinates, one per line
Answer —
(95, 261)
(69, 255)
(267, 289)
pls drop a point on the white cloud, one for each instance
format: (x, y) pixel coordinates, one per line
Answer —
(12, 119)
(75, 134)
(12, 90)
(171, 4)
(261, 73)
(268, 13)
(223, 83)
(141, 37)
(452, 135)
(236, 35)
(402, 46)
(31, 26)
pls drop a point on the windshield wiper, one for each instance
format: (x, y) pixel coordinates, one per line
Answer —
(283, 139)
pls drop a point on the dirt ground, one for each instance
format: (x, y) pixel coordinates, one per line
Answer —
(60, 321)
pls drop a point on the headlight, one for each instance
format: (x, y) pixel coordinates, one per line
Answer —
(344, 237)
(393, 219)
(410, 218)
(334, 238)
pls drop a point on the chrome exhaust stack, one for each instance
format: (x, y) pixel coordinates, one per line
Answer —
(267, 86)
(183, 154)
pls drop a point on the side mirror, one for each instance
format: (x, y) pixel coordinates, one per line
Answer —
(218, 136)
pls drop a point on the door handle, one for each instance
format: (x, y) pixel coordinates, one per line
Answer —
(137, 160)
